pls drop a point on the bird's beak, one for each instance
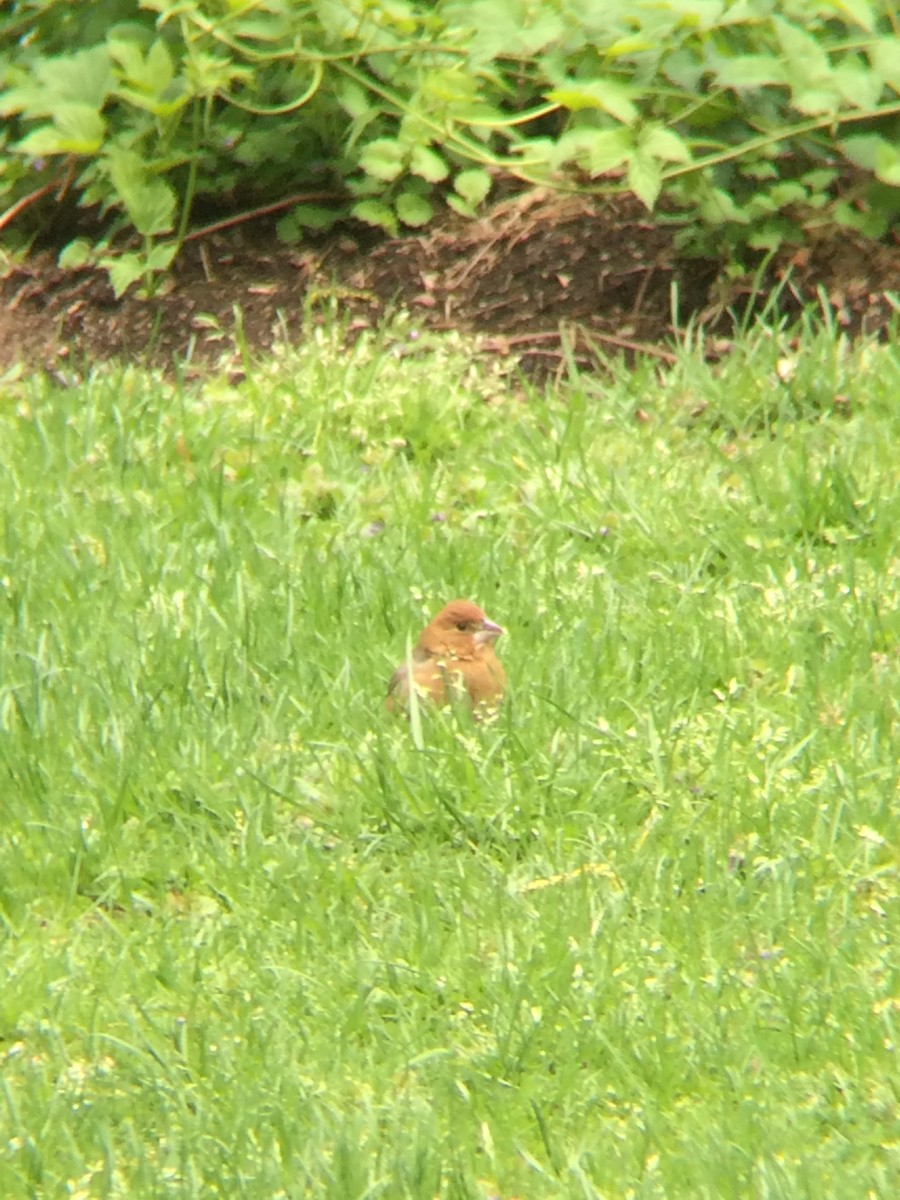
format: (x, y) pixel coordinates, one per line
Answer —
(489, 632)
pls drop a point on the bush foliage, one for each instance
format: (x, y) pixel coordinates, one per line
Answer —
(753, 119)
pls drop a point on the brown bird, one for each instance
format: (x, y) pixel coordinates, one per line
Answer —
(454, 658)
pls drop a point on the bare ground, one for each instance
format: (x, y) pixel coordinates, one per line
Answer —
(538, 267)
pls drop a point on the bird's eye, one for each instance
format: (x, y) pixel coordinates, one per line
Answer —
(461, 626)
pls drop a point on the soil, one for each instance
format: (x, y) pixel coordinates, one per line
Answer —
(540, 268)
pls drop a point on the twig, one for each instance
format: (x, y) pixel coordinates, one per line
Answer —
(264, 211)
(20, 205)
(515, 339)
(519, 339)
(628, 344)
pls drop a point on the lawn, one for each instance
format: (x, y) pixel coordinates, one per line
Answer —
(634, 938)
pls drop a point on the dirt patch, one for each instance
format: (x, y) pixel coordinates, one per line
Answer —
(537, 265)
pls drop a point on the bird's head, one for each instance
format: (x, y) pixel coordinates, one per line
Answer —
(460, 629)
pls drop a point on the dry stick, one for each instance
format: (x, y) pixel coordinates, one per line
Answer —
(642, 291)
(583, 359)
(264, 211)
(205, 263)
(12, 212)
(628, 344)
(622, 343)
(515, 338)
(20, 205)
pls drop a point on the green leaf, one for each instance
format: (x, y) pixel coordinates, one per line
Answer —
(788, 192)
(460, 206)
(862, 149)
(543, 28)
(758, 170)
(871, 224)
(353, 99)
(77, 253)
(151, 74)
(449, 85)
(307, 216)
(662, 143)
(887, 164)
(511, 27)
(703, 14)
(315, 216)
(857, 11)
(123, 271)
(81, 78)
(152, 208)
(819, 178)
(159, 106)
(132, 31)
(29, 98)
(269, 25)
(82, 126)
(751, 71)
(683, 68)
(128, 56)
(760, 204)
(884, 54)
(813, 101)
(608, 149)
(376, 212)
(126, 168)
(718, 207)
(629, 46)
(148, 83)
(858, 85)
(428, 164)
(41, 142)
(805, 58)
(767, 237)
(537, 155)
(78, 79)
(287, 230)
(76, 129)
(608, 95)
(473, 185)
(415, 130)
(383, 159)
(480, 116)
(160, 256)
(150, 203)
(571, 146)
(414, 210)
(160, 70)
(644, 178)
(206, 74)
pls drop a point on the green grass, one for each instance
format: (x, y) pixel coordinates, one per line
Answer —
(635, 939)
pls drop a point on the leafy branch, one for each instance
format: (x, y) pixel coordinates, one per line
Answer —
(753, 125)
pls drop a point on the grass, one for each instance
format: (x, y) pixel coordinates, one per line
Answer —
(635, 939)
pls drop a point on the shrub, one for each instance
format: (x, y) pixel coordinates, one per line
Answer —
(753, 121)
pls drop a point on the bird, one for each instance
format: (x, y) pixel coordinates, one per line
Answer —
(453, 659)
